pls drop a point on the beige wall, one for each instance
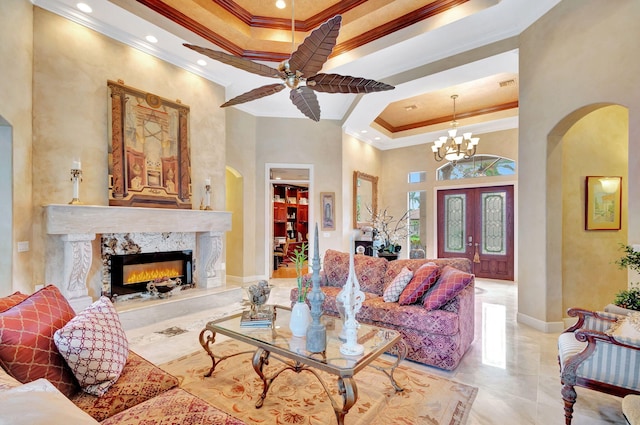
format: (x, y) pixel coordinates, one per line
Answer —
(235, 238)
(71, 67)
(255, 142)
(590, 279)
(356, 156)
(575, 58)
(241, 157)
(16, 50)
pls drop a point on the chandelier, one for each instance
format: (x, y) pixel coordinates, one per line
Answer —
(453, 148)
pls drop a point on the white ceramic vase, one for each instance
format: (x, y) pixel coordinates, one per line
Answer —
(300, 319)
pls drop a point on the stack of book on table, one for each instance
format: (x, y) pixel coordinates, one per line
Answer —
(258, 319)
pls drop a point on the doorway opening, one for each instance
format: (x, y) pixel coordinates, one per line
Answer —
(289, 213)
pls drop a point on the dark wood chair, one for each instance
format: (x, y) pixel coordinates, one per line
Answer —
(590, 358)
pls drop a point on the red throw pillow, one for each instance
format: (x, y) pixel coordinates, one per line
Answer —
(27, 349)
(9, 301)
(422, 280)
(452, 281)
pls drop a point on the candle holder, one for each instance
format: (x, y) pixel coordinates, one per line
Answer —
(207, 205)
(76, 178)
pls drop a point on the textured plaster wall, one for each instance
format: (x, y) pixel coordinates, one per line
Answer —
(397, 163)
(589, 277)
(300, 141)
(356, 156)
(241, 157)
(71, 67)
(16, 71)
(235, 238)
(575, 56)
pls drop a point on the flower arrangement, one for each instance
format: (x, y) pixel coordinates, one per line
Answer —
(298, 258)
(629, 298)
(388, 232)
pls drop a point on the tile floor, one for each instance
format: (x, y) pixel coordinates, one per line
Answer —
(514, 366)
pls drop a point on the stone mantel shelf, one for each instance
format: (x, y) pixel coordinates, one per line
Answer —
(62, 219)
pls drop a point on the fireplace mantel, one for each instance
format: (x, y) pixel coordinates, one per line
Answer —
(66, 219)
(72, 228)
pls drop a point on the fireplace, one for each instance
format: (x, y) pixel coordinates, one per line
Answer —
(131, 273)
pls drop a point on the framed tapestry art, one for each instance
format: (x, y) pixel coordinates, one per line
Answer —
(327, 201)
(603, 203)
(149, 160)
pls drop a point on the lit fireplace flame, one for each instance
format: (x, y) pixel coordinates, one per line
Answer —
(152, 274)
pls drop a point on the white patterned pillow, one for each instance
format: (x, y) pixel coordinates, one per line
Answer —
(94, 346)
(397, 285)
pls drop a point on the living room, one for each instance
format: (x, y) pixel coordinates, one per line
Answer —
(54, 89)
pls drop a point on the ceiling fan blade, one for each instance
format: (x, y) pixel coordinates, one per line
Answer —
(335, 83)
(316, 48)
(240, 63)
(306, 101)
(254, 94)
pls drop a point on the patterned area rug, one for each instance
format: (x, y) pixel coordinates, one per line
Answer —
(298, 398)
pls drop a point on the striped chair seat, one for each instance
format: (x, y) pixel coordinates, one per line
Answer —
(591, 358)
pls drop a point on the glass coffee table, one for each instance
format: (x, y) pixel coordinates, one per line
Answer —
(277, 342)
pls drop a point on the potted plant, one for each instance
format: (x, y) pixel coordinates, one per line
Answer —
(300, 313)
(629, 298)
(388, 232)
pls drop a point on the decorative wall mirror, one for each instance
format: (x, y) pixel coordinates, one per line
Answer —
(365, 198)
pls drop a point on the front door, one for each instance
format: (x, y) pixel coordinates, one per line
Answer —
(477, 223)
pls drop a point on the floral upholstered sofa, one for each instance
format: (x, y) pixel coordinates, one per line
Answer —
(59, 367)
(430, 302)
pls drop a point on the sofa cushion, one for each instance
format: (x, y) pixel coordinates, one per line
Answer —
(395, 266)
(94, 346)
(176, 406)
(39, 403)
(393, 291)
(370, 271)
(27, 349)
(11, 300)
(140, 381)
(423, 279)
(451, 283)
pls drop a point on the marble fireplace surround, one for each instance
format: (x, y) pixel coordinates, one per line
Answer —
(72, 228)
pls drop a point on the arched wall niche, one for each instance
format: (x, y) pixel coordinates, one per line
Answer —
(592, 140)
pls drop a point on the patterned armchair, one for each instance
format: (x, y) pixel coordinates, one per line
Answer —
(591, 358)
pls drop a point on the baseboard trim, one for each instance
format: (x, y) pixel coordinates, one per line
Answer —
(245, 279)
(539, 325)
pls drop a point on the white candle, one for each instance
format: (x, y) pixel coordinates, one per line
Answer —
(77, 165)
(207, 182)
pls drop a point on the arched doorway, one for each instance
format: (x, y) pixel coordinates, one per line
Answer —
(6, 207)
(234, 239)
(592, 141)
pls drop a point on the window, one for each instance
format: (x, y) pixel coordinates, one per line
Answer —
(417, 218)
(477, 166)
(417, 176)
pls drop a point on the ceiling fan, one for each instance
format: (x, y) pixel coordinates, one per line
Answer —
(300, 72)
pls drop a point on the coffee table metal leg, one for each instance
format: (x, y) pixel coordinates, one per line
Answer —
(349, 390)
(206, 341)
(401, 353)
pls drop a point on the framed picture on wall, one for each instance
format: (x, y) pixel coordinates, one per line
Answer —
(603, 203)
(328, 201)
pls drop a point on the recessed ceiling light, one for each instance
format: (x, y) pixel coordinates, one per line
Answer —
(281, 4)
(376, 138)
(410, 107)
(84, 7)
(363, 131)
(151, 39)
(202, 62)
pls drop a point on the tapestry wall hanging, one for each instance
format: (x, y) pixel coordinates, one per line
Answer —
(149, 162)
